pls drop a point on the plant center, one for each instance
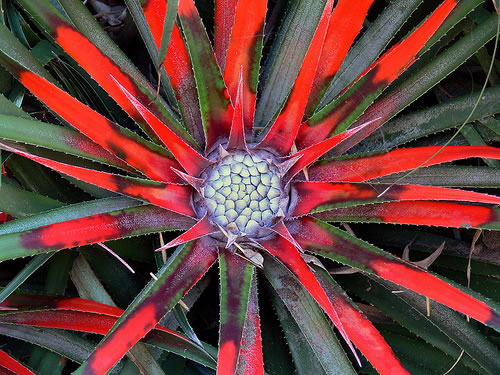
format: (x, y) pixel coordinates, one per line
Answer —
(242, 193)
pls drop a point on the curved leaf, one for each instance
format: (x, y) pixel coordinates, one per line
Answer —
(281, 135)
(172, 197)
(341, 113)
(98, 64)
(56, 138)
(251, 357)
(244, 51)
(416, 84)
(285, 58)
(361, 331)
(177, 65)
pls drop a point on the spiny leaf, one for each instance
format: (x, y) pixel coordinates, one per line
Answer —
(330, 242)
(323, 196)
(176, 64)
(251, 357)
(309, 317)
(345, 24)
(416, 84)
(442, 214)
(136, 151)
(340, 114)
(10, 364)
(56, 138)
(98, 65)
(282, 133)
(285, 57)
(361, 331)
(86, 230)
(370, 46)
(172, 197)
(291, 258)
(438, 328)
(357, 168)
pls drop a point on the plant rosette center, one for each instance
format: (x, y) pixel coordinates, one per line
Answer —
(242, 193)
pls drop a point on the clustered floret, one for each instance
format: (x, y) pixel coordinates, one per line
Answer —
(242, 193)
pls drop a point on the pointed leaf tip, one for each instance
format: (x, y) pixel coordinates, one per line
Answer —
(202, 228)
(237, 133)
(191, 160)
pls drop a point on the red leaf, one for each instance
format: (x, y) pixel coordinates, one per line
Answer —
(225, 13)
(172, 197)
(101, 228)
(236, 276)
(101, 68)
(202, 228)
(443, 214)
(328, 241)
(360, 330)
(176, 279)
(366, 167)
(110, 136)
(216, 108)
(372, 82)
(12, 366)
(345, 24)
(282, 133)
(237, 134)
(251, 356)
(323, 196)
(178, 67)
(190, 159)
(311, 154)
(287, 254)
(244, 49)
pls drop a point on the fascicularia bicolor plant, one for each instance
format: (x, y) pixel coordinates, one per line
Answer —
(244, 181)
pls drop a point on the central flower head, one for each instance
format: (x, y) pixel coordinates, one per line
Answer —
(242, 192)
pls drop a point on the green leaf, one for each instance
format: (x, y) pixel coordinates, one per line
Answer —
(67, 344)
(412, 86)
(14, 19)
(421, 123)
(167, 29)
(89, 287)
(26, 272)
(55, 138)
(450, 176)
(137, 14)
(303, 355)
(20, 203)
(158, 297)
(412, 350)
(475, 139)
